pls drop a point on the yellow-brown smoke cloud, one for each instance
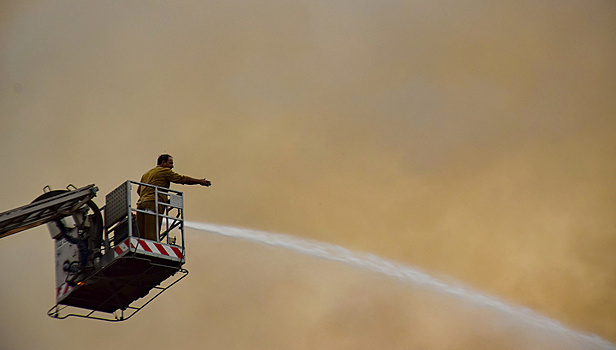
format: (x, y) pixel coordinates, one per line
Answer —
(470, 139)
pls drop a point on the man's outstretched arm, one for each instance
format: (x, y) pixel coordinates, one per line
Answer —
(193, 181)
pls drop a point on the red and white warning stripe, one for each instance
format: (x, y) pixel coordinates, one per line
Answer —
(149, 247)
(63, 290)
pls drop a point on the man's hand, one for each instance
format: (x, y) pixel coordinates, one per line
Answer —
(205, 182)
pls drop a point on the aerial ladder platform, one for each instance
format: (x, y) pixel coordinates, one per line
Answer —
(105, 269)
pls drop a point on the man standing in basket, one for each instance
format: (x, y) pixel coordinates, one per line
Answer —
(161, 176)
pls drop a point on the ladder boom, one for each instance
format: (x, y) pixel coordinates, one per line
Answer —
(45, 210)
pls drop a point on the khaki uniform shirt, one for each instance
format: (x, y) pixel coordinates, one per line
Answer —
(158, 176)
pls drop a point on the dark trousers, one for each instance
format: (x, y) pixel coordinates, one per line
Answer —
(146, 223)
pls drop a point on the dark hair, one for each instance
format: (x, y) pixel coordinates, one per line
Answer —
(163, 158)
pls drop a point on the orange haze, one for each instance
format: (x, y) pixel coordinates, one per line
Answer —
(471, 139)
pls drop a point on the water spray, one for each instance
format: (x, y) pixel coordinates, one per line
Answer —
(401, 272)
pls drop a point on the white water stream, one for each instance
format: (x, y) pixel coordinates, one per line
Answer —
(403, 273)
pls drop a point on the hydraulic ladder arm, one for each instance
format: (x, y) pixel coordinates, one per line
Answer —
(45, 210)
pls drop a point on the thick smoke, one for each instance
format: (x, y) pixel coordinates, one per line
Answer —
(470, 139)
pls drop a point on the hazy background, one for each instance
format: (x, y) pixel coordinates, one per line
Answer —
(472, 139)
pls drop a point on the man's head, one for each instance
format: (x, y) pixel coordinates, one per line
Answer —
(166, 161)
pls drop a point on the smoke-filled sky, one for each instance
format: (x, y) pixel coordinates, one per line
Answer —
(471, 139)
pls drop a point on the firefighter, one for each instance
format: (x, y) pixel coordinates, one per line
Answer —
(162, 175)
